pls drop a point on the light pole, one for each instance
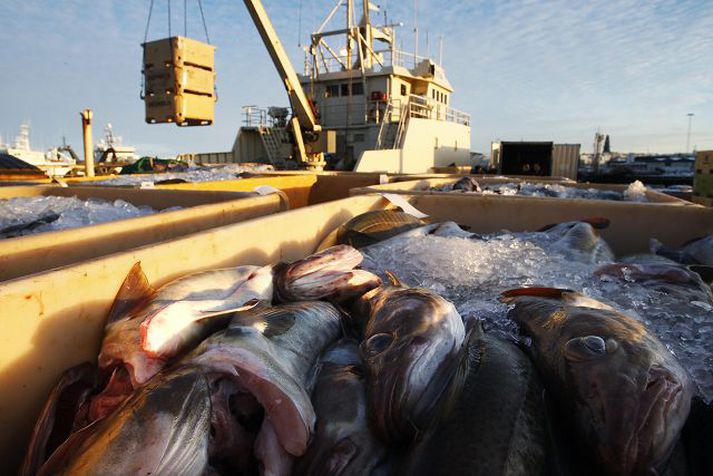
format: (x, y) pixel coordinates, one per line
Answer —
(688, 138)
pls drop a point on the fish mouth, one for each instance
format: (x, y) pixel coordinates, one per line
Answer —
(655, 426)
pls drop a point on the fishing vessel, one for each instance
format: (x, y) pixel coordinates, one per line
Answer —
(361, 103)
(54, 163)
(111, 149)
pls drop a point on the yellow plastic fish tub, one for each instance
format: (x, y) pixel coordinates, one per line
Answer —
(302, 188)
(55, 319)
(423, 187)
(511, 178)
(201, 210)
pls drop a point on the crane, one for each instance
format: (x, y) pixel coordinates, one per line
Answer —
(311, 141)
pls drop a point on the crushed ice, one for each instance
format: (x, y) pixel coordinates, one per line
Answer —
(22, 216)
(194, 174)
(472, 272)
(635, 192)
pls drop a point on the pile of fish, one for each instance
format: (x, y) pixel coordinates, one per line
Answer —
(635, 192)
(21, 216)
(334, 365)
(192, 174)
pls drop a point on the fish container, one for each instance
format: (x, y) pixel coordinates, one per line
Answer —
(55, 319)
(179, 81)
(200, 210)
(703, 180)
(302, 188)
(428, 186)
(410, 177)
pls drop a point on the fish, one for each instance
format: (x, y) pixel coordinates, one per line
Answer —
(496, 424)
(698, 251)
(467, 184)
(329, 274)
(370, 228)
(645, 258)
(626, 394)
(20, 229)
(159, 324)
(55, 423)
(673, 279)
(234, 424)
(580, 240)
(271, 353)
(411, 341)
(344, 443)
(162, 429)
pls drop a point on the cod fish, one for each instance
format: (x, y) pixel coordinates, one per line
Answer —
(162, 429)
(467, 184)
(370, 228)
(412, 340)
(271, 354)
(343, 443)
(147, 327)
(625, 393)
(329, 274)
(580, 240)
(20, 229)
(55, 422)
(699, 251)
(496, 425)
(672, 279)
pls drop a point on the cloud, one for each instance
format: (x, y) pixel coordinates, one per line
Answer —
(531, 69)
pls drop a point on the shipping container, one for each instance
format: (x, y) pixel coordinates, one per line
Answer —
(703, 180)
(536, 158)
(54, 320)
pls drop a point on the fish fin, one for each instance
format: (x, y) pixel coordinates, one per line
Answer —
(705, 272)
(135, 291)
(598, 223)
(55, 463)
(550, 293)
(270, 322)
(248, 306)
(393, 279)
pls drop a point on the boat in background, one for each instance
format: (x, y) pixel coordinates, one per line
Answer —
(54, 163)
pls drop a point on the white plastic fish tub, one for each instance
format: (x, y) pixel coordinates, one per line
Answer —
(55, 319)
(424, 186)
(200, 210)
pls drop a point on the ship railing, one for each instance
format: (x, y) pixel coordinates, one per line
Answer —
(254, 116)
(421, 107)
(385, 58)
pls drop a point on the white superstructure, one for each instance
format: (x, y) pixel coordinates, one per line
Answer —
(391, 110)
(53, 162)
(112, 149)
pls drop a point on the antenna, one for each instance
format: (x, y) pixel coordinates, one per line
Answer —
(440, 51)
(415, 31)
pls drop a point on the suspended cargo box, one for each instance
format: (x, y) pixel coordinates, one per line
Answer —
(179, 81)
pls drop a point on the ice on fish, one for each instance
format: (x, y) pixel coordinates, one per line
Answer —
(71, 211)
(193, 175)
(473, 272)
(635, 192)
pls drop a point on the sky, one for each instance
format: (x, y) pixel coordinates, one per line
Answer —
(555, 70)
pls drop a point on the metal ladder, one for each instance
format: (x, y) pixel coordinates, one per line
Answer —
(272, 141)
(403, 121)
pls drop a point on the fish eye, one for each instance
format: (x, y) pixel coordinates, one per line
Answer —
(585, 348)
(378, 343)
